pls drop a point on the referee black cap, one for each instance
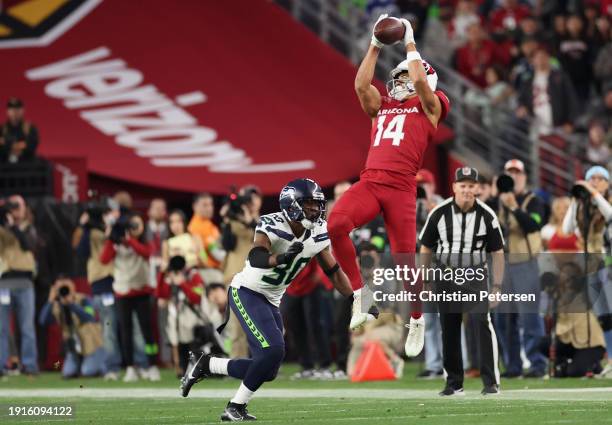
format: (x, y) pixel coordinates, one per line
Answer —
(466, 173)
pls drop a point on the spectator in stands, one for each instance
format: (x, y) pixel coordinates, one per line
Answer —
(17, 267)
(485, 188)
(302, 305)
(181, 290)
(89, 238)
(476, 55)
(520, 214)
(465, 16)
(575, 57)
(507, 17)
(523, 68)
(548, 96)
(125, 245)
(84, 353)
(498, 93)
(553, 238)
(240, 217)
(18, 137)
(202, 226)
(529, 27)
(602, 67)
(599, 34)
(601, 111)
(181, 242)
(580, 344)
(598, 152)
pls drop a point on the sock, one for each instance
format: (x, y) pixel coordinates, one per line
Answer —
(243, 395)
(218, 365)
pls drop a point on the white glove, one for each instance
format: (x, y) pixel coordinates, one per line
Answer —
(409, 33)
(375, 41)
(358, 317)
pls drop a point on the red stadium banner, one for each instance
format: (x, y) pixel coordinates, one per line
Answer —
(197, 98)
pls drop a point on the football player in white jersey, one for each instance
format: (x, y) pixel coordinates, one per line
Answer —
(284, 243)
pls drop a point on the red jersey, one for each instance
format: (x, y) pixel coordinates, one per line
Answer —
(400, 134)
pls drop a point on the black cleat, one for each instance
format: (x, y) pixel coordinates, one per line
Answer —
(490, 390)
(197, 370)
(450, 392)
(235, 412)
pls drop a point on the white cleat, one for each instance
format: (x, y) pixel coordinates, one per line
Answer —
(130, 375)
(416, 337)
(358, 317)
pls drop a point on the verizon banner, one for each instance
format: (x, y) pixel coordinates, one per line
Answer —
(199, 97)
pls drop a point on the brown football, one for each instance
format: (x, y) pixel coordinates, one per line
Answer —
(389, 30)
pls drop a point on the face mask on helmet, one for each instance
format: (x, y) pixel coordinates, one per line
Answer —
(304, 214)
(400, 88)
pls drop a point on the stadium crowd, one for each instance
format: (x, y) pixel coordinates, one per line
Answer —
(157, 288)
(548, 63)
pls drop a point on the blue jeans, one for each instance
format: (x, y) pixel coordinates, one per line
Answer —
(92, 365)
(521, 278)
(22, 302)
(110, 334)
(433, 342)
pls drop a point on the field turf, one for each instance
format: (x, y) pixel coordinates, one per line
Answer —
(522, 402)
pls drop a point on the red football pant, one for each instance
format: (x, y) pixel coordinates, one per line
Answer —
(361, 204)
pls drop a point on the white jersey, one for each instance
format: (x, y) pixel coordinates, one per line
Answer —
(273, 282)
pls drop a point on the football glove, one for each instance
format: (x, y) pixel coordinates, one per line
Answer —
(375, 41)
(290, 254)
(409, 33)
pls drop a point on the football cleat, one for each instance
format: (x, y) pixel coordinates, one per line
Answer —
(198, 369)
(235, 412)
(450, 392)
(416, 337)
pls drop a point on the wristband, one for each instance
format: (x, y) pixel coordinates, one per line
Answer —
(413, 56)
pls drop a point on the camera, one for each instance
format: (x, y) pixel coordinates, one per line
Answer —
(6, 207)
(121, 226)
(96, 211)
(235, 201)
(580, 192)
(62, 292)
(505, 183)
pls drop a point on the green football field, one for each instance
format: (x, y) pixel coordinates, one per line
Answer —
(523, 401)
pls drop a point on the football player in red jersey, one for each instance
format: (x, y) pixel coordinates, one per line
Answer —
(403, 124)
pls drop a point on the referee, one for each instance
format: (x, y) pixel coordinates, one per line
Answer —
(458, 234)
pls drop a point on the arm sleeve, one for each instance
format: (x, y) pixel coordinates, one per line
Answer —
(45, 317)
(108, 252)
(530, 220)
(193, 288)
(444, 103)
(495, 239)
(429, 235)
(141, 249)
(569, 221)
(259, 257)
(84, 317)
(604, 206)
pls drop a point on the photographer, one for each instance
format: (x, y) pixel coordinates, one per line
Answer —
(18, 138)
(579, 341)
(181, 289)
(89, 239)
(520, 214)
(125, 245)
(240, 216)
(17, 268)
(181, 242)
(84, 353)
(590, 213)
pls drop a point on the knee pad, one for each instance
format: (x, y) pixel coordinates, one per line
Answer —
(339, 224)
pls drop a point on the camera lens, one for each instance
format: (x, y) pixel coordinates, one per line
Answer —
(505, 183)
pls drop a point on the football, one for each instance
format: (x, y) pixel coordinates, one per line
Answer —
(389, 30)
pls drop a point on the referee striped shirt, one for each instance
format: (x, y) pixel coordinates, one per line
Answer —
(449, 232)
